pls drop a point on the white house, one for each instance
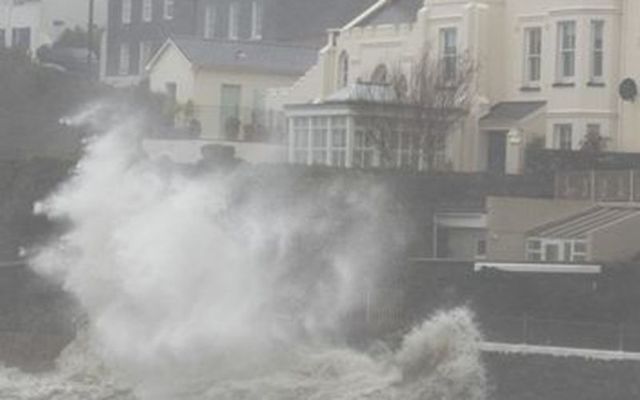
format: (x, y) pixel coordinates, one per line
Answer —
(30, 24)
(220, 84)
(548, 71)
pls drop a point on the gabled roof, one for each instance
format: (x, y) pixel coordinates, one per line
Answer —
(579, 225)
(258, 56)
(393, 12)
(509, 113)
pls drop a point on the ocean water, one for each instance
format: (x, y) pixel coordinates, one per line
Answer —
(231, 284)
(437, 360)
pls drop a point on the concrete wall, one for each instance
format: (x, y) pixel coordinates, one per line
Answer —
(616, 243)
(508, 220)
(190, 151)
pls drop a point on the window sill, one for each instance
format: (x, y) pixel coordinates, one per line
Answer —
(595, 84)
(530, 89)
(563, 85)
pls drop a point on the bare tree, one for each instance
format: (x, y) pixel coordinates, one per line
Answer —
(427, 107)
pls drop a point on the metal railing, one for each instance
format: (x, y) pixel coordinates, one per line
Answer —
(599, 186)
(562, 333)
(230, 123)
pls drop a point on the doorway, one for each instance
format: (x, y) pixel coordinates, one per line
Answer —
(497, 152)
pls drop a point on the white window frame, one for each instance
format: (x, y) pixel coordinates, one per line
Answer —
(147, 10)
(338, 150)
(169, 9)
(562, 131)
(210, 19)
(256, 19)
(319, 140)
(567, 250)
(127, 9)
(567, 50)
(124, 61)
(234, 24)
(596, 64)
(363, 149)
(532, 56)
(448, 53)
(301, 129)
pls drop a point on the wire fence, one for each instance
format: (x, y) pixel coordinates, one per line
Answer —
(562, 333)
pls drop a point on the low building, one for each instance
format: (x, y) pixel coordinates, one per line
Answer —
(525, 230)
(218, 86)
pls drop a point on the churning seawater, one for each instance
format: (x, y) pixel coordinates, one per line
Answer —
(231, 283)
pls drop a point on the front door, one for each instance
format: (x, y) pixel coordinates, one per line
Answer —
(230, 123)
(497, 152)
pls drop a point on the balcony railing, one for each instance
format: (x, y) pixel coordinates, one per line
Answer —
(229, 123)
(599, 186)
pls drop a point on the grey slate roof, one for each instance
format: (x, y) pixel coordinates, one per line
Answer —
(396, 12)
(509, 112)
(254, 55)
(579, 225)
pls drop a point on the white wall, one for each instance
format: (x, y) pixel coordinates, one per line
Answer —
(48, 18)
(203, 87)
(27, 15)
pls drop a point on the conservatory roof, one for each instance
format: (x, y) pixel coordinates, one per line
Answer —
(579, 225)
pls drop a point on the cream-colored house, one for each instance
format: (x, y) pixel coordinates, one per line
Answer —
(548, 71)
(219, 86)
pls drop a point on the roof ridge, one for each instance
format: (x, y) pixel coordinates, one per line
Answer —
(261, 42)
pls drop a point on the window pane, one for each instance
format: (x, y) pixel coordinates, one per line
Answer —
(580, 247)
(552, 252)
(534, 245)
(563, 136)
(567, 44)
